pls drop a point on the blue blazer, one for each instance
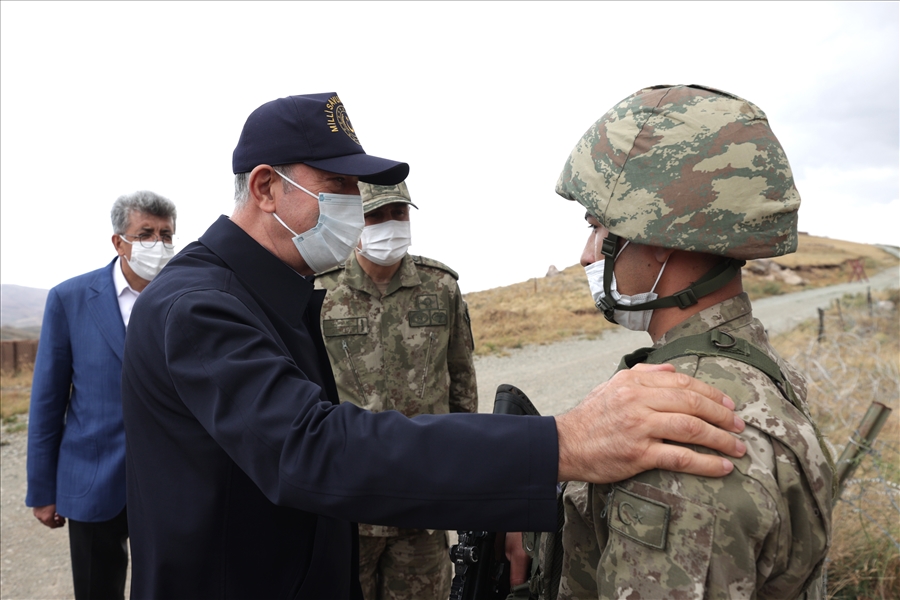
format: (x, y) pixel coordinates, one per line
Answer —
(76, 437)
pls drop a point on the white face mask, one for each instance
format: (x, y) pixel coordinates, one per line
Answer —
(386, 243)
(637, 320)
(148, 262)
(336, 234)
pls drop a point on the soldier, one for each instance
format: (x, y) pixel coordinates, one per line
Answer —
(398, 337)
(682, 184)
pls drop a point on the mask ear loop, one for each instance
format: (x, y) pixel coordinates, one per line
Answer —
(658, 277)
(295, 184)
(283, 224)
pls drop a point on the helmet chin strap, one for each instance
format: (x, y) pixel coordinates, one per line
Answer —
(607, 304)
(714, 279)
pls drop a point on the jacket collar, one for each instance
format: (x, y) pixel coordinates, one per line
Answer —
(354, 277)
(104, 307)
(261, 272)
(735, 311)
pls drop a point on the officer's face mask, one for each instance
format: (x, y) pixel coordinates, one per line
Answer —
(148, 262)
(638, 320)
(335, 235)
(385, 243)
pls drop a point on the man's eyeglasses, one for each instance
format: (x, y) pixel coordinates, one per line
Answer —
(148, 240)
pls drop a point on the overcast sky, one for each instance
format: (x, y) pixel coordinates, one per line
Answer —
(484, 101)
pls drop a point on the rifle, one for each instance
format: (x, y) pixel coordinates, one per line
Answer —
(482, 571)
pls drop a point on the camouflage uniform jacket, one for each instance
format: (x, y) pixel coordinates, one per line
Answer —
(409, 350)
(760, 532)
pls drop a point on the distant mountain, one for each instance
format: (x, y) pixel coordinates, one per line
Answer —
(21, 307)
(13, 333)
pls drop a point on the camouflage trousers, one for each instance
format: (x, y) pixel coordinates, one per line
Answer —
(414, 565)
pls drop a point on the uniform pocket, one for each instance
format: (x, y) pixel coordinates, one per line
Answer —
(660, 544)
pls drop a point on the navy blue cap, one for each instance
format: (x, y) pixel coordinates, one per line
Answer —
(312, 129)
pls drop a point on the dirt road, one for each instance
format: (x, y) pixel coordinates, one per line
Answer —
(556, 377)
(35, 560)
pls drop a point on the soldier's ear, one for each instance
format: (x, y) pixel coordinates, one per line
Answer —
(662, 254)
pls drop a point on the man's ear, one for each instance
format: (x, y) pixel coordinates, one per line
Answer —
(662, 254)
(117, 244)
(263, 178)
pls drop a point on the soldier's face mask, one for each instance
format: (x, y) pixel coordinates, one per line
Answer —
(636, 320)
(335, 235)
(385, 243)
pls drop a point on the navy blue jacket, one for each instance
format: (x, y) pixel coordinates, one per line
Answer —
(76, 439)
(245, 475)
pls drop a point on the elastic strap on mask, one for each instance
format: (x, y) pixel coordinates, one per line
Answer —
(284, 224)
(714, 279)
(295, 184)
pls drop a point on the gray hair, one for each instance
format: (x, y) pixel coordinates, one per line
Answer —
(142, 201)
(242, 185)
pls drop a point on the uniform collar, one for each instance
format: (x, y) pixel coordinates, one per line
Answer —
(735, 311)
(354, 277)
(261, 272)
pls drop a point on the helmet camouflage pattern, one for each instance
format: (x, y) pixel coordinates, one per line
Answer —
(690, 168)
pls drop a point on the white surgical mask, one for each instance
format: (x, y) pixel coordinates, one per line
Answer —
(386, 243)
(148, 262)
(336, 234)
(636, 320)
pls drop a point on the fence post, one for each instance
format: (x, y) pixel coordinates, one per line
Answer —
(860, 444)
(837, 304)
(821, 324)
(869, 300)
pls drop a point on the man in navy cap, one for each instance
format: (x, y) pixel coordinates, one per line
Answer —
(246, 476)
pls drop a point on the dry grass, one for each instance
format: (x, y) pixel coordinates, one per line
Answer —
(549, 309)
(15, 393)
(538, 311)
(825, 252)
(857, 363)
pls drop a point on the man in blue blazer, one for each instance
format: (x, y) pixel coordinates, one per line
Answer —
(76, 437)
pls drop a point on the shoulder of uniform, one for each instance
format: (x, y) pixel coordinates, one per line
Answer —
(436, 264)
(334, 270)
(330, 276)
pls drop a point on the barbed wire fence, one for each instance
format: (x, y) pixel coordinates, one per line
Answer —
(851, 360)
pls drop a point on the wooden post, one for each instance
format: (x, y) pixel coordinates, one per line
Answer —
(869, 300)
(821, 324)
(837, 304)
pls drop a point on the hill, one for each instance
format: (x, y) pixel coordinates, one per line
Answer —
(559, 306)
(14, 333)
(21, 307)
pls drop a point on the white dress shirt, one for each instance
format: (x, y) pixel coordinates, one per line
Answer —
(124, 292)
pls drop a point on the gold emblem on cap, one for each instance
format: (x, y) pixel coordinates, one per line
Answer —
(337, 118)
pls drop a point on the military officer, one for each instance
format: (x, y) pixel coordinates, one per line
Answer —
(681, 185)
(398, 337)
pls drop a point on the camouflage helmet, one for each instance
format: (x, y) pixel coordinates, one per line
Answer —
(690, 168)
(376, 196)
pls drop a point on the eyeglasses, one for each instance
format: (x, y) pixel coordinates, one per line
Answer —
(148, 240)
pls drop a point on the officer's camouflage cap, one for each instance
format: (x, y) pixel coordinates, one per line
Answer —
(690, 168)
(376, 196)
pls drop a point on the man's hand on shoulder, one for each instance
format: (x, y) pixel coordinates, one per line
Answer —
(47, 515)
(619, 429)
